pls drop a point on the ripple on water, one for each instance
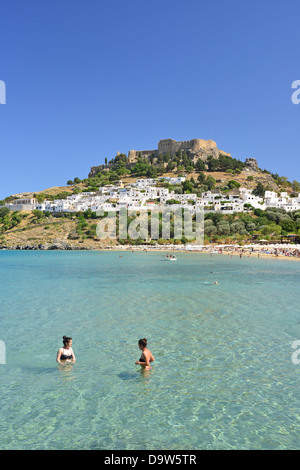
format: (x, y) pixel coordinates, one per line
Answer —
(223, 376)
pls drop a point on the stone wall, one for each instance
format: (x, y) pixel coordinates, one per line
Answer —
(196, 148)
(172, 146)
(20, 207)
(134, 154)
(94, 170)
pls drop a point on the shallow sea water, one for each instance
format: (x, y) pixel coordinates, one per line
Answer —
(223, 376)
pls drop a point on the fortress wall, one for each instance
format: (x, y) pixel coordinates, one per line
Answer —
(200, 147)
(134, 154)
(225, 153)
(168, 146)
(147, 152)
(206, 144)
(171, 146)
(94, 170)
(186, 145)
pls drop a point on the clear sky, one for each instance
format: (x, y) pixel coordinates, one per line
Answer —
(85, 79)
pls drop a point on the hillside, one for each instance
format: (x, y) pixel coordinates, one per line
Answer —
(50, 232)
(221, 178)
(28, 230)
(37, 230)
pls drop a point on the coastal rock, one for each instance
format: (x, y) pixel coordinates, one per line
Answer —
(56, 245)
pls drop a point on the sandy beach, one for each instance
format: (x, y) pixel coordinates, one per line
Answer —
(277, 251)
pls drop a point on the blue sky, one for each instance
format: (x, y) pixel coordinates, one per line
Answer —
(85, 79)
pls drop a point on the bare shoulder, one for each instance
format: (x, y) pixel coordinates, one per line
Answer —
(151, 356)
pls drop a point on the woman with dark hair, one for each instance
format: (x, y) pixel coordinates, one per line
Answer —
(146, 356)
(66, 353)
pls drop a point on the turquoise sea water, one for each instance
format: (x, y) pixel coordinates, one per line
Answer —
(223, 377)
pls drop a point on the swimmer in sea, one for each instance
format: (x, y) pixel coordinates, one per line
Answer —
(146, 356)
(65, 354)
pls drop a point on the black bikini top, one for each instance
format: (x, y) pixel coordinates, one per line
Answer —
(63, 357)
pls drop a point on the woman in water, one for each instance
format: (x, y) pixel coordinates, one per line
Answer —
(66, 353)
(146, 356)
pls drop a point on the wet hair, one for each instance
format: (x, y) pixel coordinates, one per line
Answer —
(143, 342)
(66, 339)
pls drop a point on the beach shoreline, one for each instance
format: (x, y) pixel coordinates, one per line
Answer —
(286, 251)
(249, 251)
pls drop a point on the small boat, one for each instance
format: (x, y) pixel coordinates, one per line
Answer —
(170, 258)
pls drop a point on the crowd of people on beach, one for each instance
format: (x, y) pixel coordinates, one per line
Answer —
(270, 250)
(288, 251)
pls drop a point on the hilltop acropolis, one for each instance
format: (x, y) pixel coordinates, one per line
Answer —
(198, 148)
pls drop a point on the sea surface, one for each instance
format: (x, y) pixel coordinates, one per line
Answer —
(223, 376)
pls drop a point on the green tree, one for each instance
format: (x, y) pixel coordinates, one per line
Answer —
(238, 227)
(151, 172)
(259, 190)
(38, 214)
(233, 184)
(166, 157)
(258, 212)
(4, 211)
(251, 227)
(209, 227)
(187, 186)
(170, 166)
(210, 182)
(288, 226)
(296, 186)
(200, 165)
(212, 163)
(223, 227)
(201, 178)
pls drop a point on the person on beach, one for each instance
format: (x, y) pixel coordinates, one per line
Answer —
(66, 353)
(146, 356)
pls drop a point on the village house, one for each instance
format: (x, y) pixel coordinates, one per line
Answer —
(144, 193)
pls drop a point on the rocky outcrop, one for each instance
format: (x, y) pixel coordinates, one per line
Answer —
(252, 164)
(59, 245)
